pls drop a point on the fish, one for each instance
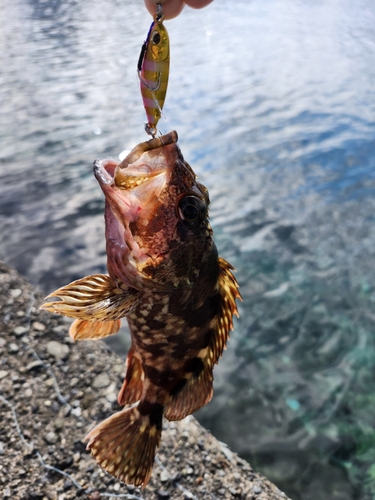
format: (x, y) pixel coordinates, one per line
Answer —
(179, 297)
(153, 71)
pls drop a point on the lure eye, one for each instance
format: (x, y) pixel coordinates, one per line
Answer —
(192, 211)
(155, 38)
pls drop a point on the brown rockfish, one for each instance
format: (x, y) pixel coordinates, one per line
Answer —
(178, 295)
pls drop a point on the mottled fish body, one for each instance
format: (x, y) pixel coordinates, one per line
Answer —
(178, 295)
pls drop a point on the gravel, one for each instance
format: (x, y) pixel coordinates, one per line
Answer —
(58, 392)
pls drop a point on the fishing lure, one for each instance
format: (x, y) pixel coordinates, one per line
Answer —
(153, 71)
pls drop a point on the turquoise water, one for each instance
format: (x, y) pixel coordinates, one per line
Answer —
(274, 103)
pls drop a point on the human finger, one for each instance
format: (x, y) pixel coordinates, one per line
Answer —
(171, 8)
(197, 4)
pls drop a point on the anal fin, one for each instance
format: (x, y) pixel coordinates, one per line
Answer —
(131, 390)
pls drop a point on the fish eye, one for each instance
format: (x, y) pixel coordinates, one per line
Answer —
(155, 38)
(192, 211)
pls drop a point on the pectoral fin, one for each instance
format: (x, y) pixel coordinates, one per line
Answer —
(94, 298)
(81, 329)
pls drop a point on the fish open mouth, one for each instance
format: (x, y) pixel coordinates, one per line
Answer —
(132, 190)
(129, 174)
(132, 172)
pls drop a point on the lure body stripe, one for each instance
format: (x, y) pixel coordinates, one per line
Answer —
(153, 71)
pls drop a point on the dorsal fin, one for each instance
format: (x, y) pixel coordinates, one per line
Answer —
(197, 390)
(229, 292)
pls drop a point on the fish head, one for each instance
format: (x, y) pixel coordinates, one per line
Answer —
(157, 228)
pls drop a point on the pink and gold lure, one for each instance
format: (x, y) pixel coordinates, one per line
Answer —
(153, 71)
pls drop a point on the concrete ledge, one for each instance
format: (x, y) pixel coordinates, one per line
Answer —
(53, 392)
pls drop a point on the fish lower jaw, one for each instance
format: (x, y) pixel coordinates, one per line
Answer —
(101, 173)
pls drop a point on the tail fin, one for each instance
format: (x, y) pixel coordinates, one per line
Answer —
(125, 444)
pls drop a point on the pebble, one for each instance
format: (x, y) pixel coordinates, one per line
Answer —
(96, 495)
(111, 397)
(39, 326)
(118, 368)
(3, 374)
(77, 412)
(51, 437)
(163, 494)
(34, 364)
(55, 407)
(28, 393)
(15, 293)
(20, 330)
(74, 381)
(67, 484)
(59, 423)
(2, 342)
(59, 329)
(57, 350)
(102, 380)
(13, 347)
(257, 490)
(164, 476)
(227, 452)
